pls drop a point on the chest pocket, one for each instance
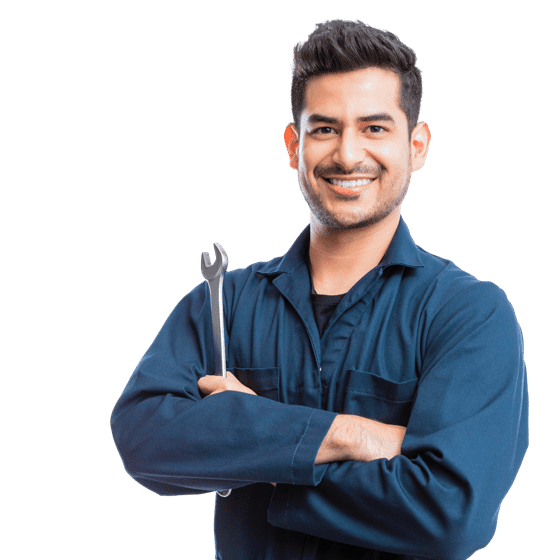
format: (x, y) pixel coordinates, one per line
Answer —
(369, 395)
(264, 381)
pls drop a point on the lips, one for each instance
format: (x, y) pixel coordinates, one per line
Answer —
(351, 187)
(351, 183)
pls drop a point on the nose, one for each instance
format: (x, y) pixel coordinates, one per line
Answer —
(349, 151)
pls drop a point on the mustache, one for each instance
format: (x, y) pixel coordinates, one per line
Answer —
(337, 170)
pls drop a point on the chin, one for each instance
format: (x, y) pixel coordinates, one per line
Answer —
(348, 222)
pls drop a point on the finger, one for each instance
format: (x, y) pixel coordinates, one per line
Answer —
(211, 384)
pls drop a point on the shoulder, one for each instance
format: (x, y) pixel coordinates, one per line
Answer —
(443, 282)
(236, 282)
(252, 281)
(241, 278)
(454, 300)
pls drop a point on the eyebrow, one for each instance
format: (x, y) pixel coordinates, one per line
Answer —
(317, 118)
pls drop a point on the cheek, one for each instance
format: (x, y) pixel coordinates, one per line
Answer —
(388, 151)
(313, 155)
(393, 155)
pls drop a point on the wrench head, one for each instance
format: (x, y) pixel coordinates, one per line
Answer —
(211, 271)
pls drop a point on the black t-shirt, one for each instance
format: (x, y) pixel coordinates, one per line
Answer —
(323, 308)
(323, 305)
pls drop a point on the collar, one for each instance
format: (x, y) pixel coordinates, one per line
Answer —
(401, 251)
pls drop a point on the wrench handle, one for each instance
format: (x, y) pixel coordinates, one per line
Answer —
(216, 303)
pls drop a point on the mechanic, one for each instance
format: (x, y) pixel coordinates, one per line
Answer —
(376, 399)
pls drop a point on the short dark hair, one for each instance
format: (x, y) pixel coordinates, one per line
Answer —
(344, 46)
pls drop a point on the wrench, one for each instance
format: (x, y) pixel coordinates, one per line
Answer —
(214, 275)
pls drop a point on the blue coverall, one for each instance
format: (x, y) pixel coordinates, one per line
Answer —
(416, 342)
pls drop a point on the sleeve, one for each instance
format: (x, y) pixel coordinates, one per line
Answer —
(172, 441)
(465, 440)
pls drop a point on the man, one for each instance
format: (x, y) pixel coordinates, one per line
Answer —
(376, 400)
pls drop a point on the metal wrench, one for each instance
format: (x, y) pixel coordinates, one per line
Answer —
(214, 275)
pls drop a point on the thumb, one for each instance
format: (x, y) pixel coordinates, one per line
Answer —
(211, 384)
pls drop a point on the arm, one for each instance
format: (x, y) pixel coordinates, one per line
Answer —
(173, 441)
(353, 438)
(464, 443)
(350, 437)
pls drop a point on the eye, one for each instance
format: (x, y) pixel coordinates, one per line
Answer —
(324, 130)
(375, 129)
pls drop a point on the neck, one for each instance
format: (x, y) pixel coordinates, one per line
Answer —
(339, 258)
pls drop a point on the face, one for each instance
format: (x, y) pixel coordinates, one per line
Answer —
(354, 157)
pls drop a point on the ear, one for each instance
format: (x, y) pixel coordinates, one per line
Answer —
(419, 144)
(291, 141)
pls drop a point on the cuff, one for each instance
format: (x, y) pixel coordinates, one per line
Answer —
(304, 470)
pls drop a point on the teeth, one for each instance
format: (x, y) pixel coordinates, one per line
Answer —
(349, 183)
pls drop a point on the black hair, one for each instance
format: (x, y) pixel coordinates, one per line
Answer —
(344, 46)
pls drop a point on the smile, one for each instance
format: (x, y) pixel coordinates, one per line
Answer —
(349, 190)
(346, 184)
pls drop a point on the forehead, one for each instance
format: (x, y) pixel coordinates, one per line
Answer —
(349, 95)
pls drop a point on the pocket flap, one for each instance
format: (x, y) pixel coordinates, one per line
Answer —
(372, 384)
(371, 396)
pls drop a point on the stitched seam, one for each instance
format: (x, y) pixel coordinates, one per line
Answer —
(299, 443)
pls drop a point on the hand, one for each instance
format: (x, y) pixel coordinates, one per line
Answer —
(213, 384)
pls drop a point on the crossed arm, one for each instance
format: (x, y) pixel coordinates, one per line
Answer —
(350, 437)
(438, 497)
